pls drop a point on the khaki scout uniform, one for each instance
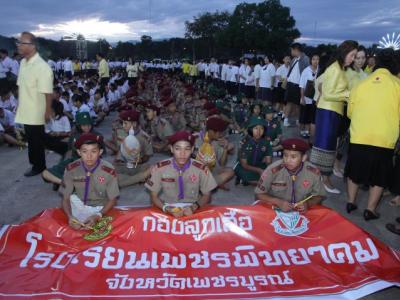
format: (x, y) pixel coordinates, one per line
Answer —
(161, 128)
(102, 183)
(165, 179)
(276, 181)
(177, 121)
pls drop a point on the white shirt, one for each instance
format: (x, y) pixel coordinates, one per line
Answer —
(15, 67)
(234, 74)
(8, 119)
(257, 70)
(281, 74)
(64, 102)
(243, 71)
(294, 76)
(307, 74)
(250, 78)
(58, 125)
(7, 64)
(10, 104)
(267, 72)
(67, 66)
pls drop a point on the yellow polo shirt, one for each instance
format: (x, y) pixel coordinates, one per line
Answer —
(185, 68)
(374, 110)
(335, 89)
(35, 79)
(104, 71)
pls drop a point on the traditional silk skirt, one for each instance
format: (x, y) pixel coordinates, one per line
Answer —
(323, 153)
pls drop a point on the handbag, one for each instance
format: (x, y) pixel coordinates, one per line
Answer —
(309, 91)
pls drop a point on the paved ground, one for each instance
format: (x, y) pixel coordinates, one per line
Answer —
(22, 198)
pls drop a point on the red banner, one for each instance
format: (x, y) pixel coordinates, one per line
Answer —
(229, 252)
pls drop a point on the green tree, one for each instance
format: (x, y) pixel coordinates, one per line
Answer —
(207, 26)
(266, 26)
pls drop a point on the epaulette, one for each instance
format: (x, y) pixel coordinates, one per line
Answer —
(109, 170)
(163, 163)
(315, 170)
(277, 168)
(73, 165)
(200, 166)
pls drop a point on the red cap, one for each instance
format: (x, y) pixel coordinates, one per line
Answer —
(208, 106)
(129, 115)
(295, 145)
(182, 136)
(213, 111)
(124, 107)
(168, 103)
(216, 124)
(153, 107)
(88, 138)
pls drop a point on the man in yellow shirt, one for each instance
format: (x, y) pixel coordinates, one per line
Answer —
(104, 71)
(372, 144)
(35, 91)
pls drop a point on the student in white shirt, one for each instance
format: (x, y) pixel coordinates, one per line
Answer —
(8, 100)
(233, 79)
(250, 84)
(266, 81)
(307, 103)
(8, 132)
(243, 70)
(59, 126)
(292, 95)
(279, 92)
(257, 70)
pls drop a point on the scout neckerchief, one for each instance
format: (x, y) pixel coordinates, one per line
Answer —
(255, 149)
(293, 177)
(180, 179)
(88, 173)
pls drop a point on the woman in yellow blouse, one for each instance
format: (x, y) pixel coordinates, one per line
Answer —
(374, 110)
(335, 91)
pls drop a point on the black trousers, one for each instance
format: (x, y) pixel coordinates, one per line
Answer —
(36, 142)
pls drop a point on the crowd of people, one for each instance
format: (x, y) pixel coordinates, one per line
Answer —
(343, 108)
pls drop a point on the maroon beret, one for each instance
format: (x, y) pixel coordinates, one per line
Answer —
(295, 145)
(182, 136)
(87, 138)
(124, 107)
(216, 124)
(213, 111)
(129, 115)
(153, 107)
(208, 106)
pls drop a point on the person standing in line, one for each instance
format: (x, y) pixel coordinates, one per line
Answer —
(334, 93)
(35, 90)
(104, 71)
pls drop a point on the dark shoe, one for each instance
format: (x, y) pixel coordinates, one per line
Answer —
(392, 228)
(398, 220)
(56, 187)
(350, 207)
(31, 173)
(369, 215)
(237, 180)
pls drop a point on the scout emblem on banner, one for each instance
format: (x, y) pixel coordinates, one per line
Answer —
(289, 223)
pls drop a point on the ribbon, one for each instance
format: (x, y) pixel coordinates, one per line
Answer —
(88, 173)
(293, 177)
(180, 179)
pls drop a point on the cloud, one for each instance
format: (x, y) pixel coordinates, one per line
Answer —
(366, 20)
(95, 28)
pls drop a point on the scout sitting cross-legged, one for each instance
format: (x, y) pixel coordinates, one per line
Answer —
(180, 179)
(90, 184)
(291, 179)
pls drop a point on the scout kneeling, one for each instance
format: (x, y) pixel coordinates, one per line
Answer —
(90, 184)
(288, 181)
(180, 179)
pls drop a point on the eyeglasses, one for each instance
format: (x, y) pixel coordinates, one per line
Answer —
(23, 43)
